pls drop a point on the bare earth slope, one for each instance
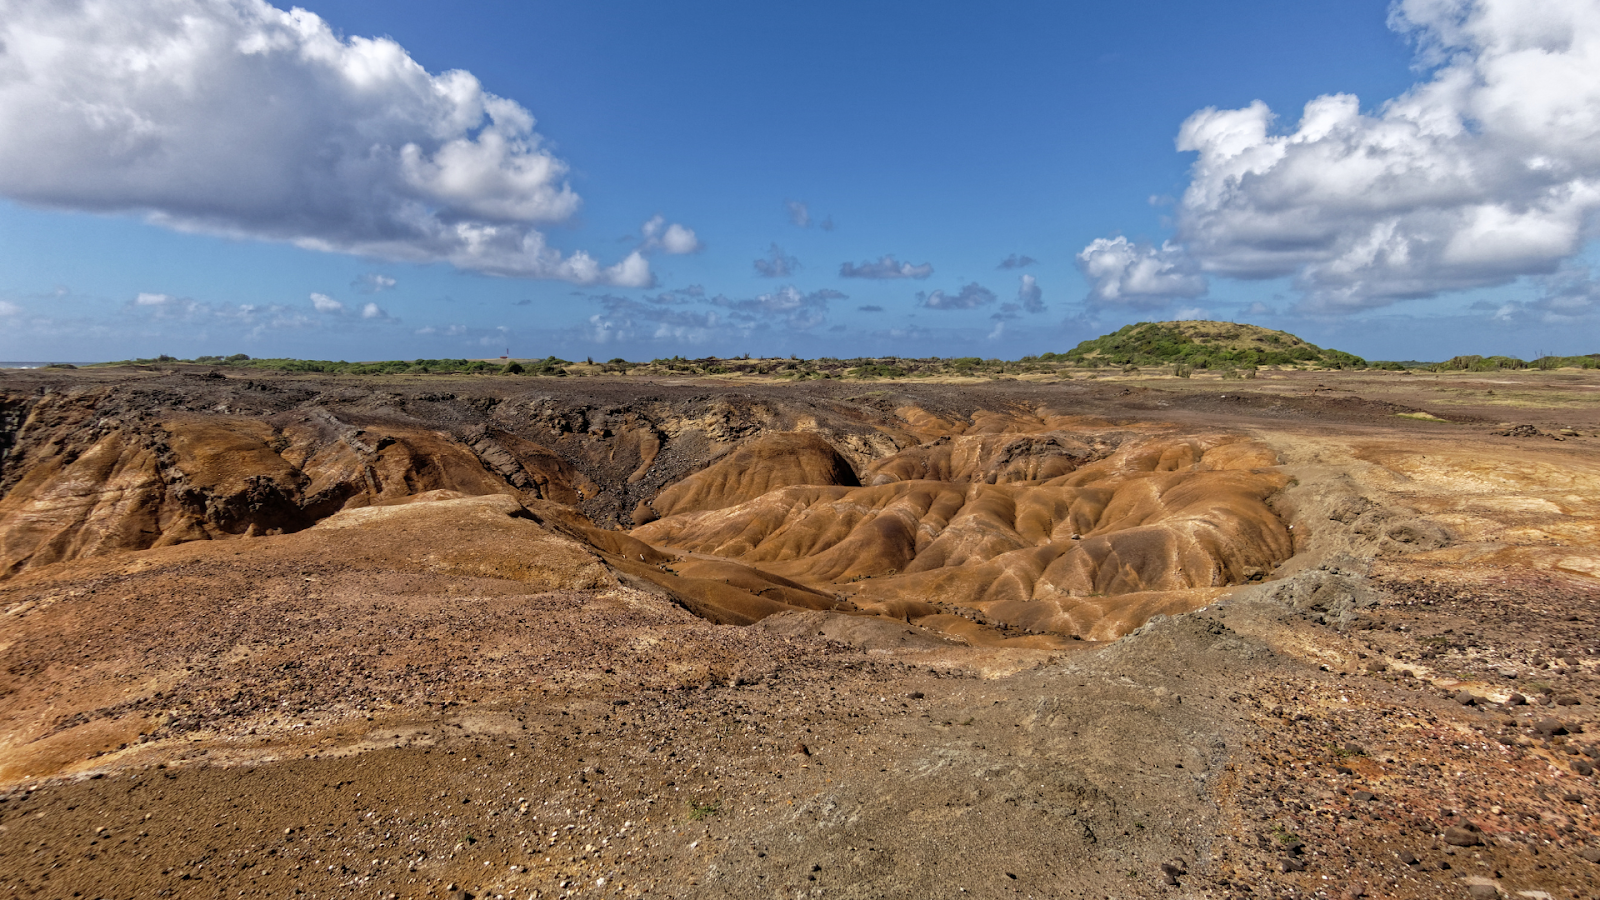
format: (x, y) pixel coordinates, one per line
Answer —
(431, 635)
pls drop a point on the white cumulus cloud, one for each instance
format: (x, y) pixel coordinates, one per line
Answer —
(673, 238)
(795, 310)
(373, 283)
(1486, 170)
(236, 117)
(1124, 273)
(7, 308)
(971, 296)
(326, 304)
(373, 311)
(1029, 295)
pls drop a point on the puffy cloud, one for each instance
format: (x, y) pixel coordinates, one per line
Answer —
(1139, 275)
(673, 238)
(234, 117)
(624, 319)
(193, 313)
(326, 304)
(1485, 171)
(1016, 262)
(788, 305)
(970, 297)
(7, 308)
(800, 214)
(447, 330)
(1029, 296)
(666, 317)
(679, 296)
(373, 283)
(191, 317)
(776, 264)
(887, 267)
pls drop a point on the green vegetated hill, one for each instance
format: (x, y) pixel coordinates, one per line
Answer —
(1206, 345)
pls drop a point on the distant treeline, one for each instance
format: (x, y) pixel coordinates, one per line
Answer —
(386, 367)
(1149, 351)
(1494, 363)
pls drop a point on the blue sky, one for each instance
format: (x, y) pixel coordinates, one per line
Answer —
(643, 180)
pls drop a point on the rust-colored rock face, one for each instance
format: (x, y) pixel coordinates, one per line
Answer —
(86, 485)
(1026, 519)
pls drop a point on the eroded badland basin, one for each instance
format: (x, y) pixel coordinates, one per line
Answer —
(1312, 635)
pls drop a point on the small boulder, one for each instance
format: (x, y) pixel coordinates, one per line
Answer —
(1465, 698)
(1464, 835)
(1548, 727)
(1482, 891)
(1170, 873)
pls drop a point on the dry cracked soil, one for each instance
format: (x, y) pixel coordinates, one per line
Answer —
(1317, 634)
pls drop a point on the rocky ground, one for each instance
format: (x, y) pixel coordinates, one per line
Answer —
(471, 694)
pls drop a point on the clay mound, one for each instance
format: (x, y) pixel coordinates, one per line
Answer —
(765, 464)
(1167, 517)
(986, 459)
(724, 592)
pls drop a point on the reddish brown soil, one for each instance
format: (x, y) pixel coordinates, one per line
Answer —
(290, 636)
